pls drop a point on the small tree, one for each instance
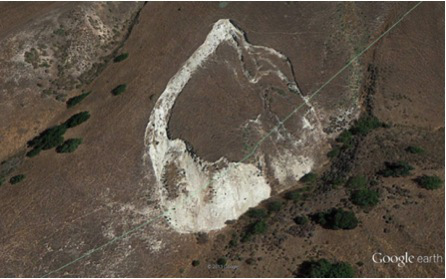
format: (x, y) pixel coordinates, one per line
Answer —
(195, 263)
(337, 218)
(365, 197)
(69, 146)
(274, 206)
(357, 182)
(309, 178)
(76, 99)
(325, 269)
(121, 57)
(293, 196)
(221, 261)
(48, 139)
(396, 169)
(429, 182)
(345, 138)
(16, 179)
(365, 124)
(301, 220)
(77, 119)
(257, 213)
(118, 90)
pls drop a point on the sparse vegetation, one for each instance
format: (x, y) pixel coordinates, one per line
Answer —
(195, 263)
(365, 197)
(414, 149)
(2, 180)
(337, 218)
(334, 152)
(429, 182)
(76, 99)
(118, 90)
(69, 146)
(325, 269)
(396, 169)
(121, 57)
(16, 179)
(77, 119)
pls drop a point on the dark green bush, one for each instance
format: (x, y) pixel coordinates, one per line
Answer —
(274, 206)
(293, 195)
(301, 220)
(258, 227)
(69, 146)
(414, 149)
(76, 99)
(309, 178)
(365, 124)
(396, 169)
(345, 137)
(121, 57)
(337, 218)
(324, 269)
(195, 263)
(48, 139)
(2, 180)
(221, 261)
(33, 152)
(365, 197)
(16, 179)
(257, 213)
(429, 182)
(357, 182)
(334, 152)
(118, 90)
(77, 119)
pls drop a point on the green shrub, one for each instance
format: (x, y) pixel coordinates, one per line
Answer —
(301, 220)
(121, 57)
(221, 261)
(48, 139)
(16, 179)
(337, 218)
(2, 180)
(77, 119)
(345, 138)
(365, 197)
(33, 152)
(324, 269)
(258, 227)
(76, 99)
(396, 169)
(309, 178)
(357, 182)
(274, 206)
(195, 263)
(293, 196)
(414, 149)
(334, 152)
(69, 146)
(429, 182)
(257, 213)
(118, 90)
(365, 124)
